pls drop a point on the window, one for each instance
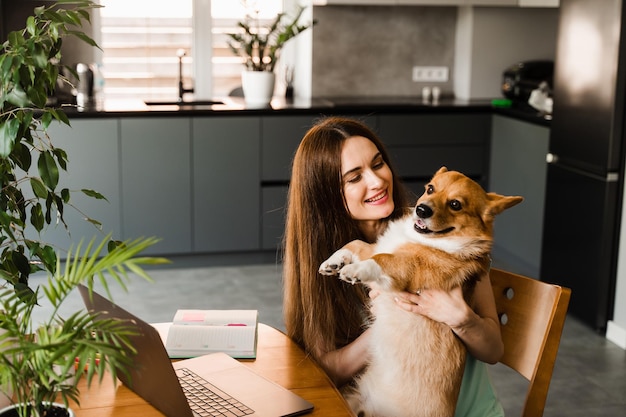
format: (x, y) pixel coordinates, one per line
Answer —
(140, 40)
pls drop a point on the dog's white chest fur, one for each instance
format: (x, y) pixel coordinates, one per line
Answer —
(397, 233)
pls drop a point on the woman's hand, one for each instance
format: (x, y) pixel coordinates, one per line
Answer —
(478, 326)
(443, 307)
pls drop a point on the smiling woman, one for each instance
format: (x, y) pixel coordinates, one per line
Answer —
(140, 39)
(367, 183)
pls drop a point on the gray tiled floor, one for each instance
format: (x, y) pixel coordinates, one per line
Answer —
(589, 377)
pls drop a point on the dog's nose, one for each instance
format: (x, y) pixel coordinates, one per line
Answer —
(423, 211)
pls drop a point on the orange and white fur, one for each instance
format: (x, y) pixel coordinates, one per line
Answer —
(417, 364)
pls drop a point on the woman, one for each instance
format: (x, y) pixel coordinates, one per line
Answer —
(344, 188)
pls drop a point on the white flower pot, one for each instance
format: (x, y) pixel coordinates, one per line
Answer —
(258, 87)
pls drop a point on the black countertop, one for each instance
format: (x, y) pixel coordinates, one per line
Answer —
(234, 106)
(525, 113)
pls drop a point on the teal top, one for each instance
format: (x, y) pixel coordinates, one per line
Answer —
(477, 397)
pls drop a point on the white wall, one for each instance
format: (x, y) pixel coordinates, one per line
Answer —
(371, 50)
(489, 39)
(616, 328)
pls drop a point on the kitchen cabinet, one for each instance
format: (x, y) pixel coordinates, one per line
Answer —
(92, 148)
(226, 184)
(211, 184)
(420, 144)
(156, 181)
(280, 136)
(518, 167)
(273, 205)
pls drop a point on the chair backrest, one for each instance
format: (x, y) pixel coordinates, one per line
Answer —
(532, 314)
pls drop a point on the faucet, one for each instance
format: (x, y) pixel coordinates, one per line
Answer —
(181, 89)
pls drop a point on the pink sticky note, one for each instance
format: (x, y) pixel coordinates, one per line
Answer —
(193, 316)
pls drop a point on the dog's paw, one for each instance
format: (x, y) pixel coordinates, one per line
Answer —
(365, 271)
(349, 274)
(338, 260)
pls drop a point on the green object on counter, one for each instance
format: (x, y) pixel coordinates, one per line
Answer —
(501, 102)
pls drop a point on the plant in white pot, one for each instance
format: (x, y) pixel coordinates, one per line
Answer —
(42, 363)
(260, 46)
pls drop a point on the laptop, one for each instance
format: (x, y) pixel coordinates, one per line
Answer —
(160, 382)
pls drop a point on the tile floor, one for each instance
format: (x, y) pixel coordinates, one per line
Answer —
(589, 377)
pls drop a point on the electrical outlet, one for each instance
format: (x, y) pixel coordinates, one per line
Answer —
(430, 74)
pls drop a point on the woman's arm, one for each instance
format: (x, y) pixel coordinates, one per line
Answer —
(343, 364)
(478, 328)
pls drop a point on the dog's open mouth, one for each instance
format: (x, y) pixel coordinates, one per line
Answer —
(420, 227)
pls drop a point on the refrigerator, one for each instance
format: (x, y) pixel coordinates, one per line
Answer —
(585, 160)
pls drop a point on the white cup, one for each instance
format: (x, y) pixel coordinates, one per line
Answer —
(436, 93)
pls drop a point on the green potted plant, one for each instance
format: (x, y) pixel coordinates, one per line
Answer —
(41, 363)
(260, 47)
(29, 72)
(37, 360)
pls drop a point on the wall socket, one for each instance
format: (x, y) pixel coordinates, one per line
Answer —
(430, 74)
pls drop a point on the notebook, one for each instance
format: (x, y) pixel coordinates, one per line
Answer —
(158, 381)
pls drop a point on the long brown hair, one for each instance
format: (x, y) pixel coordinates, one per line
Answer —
(321, 313)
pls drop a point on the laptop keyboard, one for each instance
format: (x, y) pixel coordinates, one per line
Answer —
(206, 400)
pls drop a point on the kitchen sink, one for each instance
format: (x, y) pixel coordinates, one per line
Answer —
(184, 103)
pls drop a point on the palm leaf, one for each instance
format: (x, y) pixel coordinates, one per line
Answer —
(35, 362)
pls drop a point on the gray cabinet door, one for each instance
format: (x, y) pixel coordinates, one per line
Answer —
(92, 148)
(156, 182)
(274, 199)
(420, 144)
(281, 136)
(226, 184)
(518, 167)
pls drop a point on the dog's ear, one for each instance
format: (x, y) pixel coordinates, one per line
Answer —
(441, 170)
(498, 203)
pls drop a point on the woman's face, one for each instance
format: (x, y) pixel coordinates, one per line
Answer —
(367, 180)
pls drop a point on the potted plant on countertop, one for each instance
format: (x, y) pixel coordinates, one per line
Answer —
(260, 46)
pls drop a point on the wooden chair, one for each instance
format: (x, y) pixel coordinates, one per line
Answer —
(532, 314)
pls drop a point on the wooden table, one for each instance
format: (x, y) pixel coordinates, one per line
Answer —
(278, 359)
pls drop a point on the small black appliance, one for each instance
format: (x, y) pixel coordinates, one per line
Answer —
(520, 79)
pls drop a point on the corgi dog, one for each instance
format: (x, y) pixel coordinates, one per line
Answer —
(417, 364)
